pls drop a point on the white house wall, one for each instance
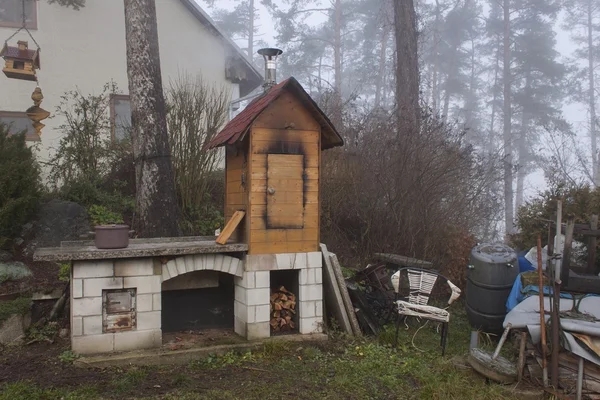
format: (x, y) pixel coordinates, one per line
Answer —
(85, 49)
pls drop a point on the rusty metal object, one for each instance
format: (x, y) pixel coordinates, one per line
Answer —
(118, 310)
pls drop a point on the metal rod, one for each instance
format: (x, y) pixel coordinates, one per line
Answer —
(542, 314)
(557, 239)
(580, 378)
(501, 342)
(474, 340)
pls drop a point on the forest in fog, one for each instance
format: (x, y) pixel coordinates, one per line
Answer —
(492, 71)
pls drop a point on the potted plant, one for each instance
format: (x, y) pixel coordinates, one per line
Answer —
(109, 230)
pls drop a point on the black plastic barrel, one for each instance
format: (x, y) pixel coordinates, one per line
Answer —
(491, 273)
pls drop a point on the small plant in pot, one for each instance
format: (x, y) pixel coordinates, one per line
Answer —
(109, 230)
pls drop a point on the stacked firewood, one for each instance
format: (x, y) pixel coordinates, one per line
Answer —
(283, 309)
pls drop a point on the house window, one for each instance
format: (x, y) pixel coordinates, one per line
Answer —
(120, 116)
(11, 13)
(18, 122)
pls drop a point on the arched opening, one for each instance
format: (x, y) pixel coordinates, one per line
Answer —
(197, 306)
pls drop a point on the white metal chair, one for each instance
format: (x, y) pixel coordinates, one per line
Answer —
(421, 283)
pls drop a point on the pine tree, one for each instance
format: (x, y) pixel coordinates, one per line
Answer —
(240, 22)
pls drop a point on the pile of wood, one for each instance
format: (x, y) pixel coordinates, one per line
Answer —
(283, 309)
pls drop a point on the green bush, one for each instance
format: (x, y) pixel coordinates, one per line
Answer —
(100, 215)
(19, 184)
(19, 306)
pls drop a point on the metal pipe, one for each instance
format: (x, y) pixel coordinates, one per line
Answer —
(580, 378)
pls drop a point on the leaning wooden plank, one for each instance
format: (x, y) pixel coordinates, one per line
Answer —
(333, 297)
(233, 223)
(339, 276)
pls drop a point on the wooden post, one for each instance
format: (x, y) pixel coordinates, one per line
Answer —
(557, 239)
(566, 257)
(555, 325)
(542, 314)
(591, 261)
(521, 363)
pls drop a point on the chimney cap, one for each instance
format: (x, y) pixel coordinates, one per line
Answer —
(269, 51)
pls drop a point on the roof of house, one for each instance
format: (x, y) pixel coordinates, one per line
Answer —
(254, 76)
(236, 129)
(16, 53)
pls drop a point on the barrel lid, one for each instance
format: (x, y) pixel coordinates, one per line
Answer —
(494, 252)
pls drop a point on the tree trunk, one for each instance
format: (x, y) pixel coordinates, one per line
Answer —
(522, 144)
(382, 62)
(337, 55)
(407, 67)
(492, 132)
(592, 97)
(436, 58)
(507, 134)
(251, 30)
(156, 203)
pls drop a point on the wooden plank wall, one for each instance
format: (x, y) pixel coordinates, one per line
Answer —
(236, 193)
(266, 141)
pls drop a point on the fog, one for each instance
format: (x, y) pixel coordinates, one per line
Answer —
(553, 107)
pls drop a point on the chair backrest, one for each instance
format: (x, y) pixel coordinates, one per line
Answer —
(421, 283)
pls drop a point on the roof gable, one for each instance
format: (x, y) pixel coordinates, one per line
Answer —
(255, 77)
(236, 129)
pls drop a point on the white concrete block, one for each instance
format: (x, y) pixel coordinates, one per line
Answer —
(134, 267)
(308, 309)
(319, 308)
(239, 327)
(209, 262)
(77, 326)
(260, 262)
(189, 263)
(318, 275)
(134, 340)
(284, 261)
(156, 302)
(172, 267)
(241, 295)
(301, 260)
(92, 325)
(198, 262)
(303, 276)
(311, 325)
(240, 311)
(144, 302)
(262, 279)
(315, 259)
(258, 330)
(77, 288)
(311, 292)
(262, 313)
(256, 297)
(92, 287)
(218, 266)
(87, 306)
(248, 280)
(233, 265)
(148, 320)
(144, 284)
(165, 273)
(94, 344)
(240, 269)
(250, 314)
(92, 269)
(180, 263)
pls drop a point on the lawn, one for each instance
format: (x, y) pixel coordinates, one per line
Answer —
(341, 368)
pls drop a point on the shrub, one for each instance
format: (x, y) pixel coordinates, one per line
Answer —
(19, 184)
(100, 215)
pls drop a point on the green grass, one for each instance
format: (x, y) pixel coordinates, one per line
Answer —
(343, 368)
(19, 306)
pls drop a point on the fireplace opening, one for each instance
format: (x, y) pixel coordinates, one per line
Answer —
(284, 302)
(198, 301)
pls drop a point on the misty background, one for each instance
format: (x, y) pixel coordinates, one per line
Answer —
(460, 64)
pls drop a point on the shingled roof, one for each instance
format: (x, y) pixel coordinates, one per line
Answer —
(22, 55)
(236, 129)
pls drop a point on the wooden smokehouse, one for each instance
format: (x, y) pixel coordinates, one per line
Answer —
(273, 158)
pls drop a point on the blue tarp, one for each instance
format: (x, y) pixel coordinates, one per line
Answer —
(520, 293)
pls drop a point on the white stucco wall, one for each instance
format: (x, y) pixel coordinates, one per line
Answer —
(85, 49)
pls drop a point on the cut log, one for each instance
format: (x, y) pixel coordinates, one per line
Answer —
(283, 309)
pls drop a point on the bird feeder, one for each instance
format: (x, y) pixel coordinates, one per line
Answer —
(20, 62)
(35, 113)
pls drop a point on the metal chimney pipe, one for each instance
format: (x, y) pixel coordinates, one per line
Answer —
(270, 56)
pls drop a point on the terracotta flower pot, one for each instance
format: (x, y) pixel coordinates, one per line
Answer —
(111, 236)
